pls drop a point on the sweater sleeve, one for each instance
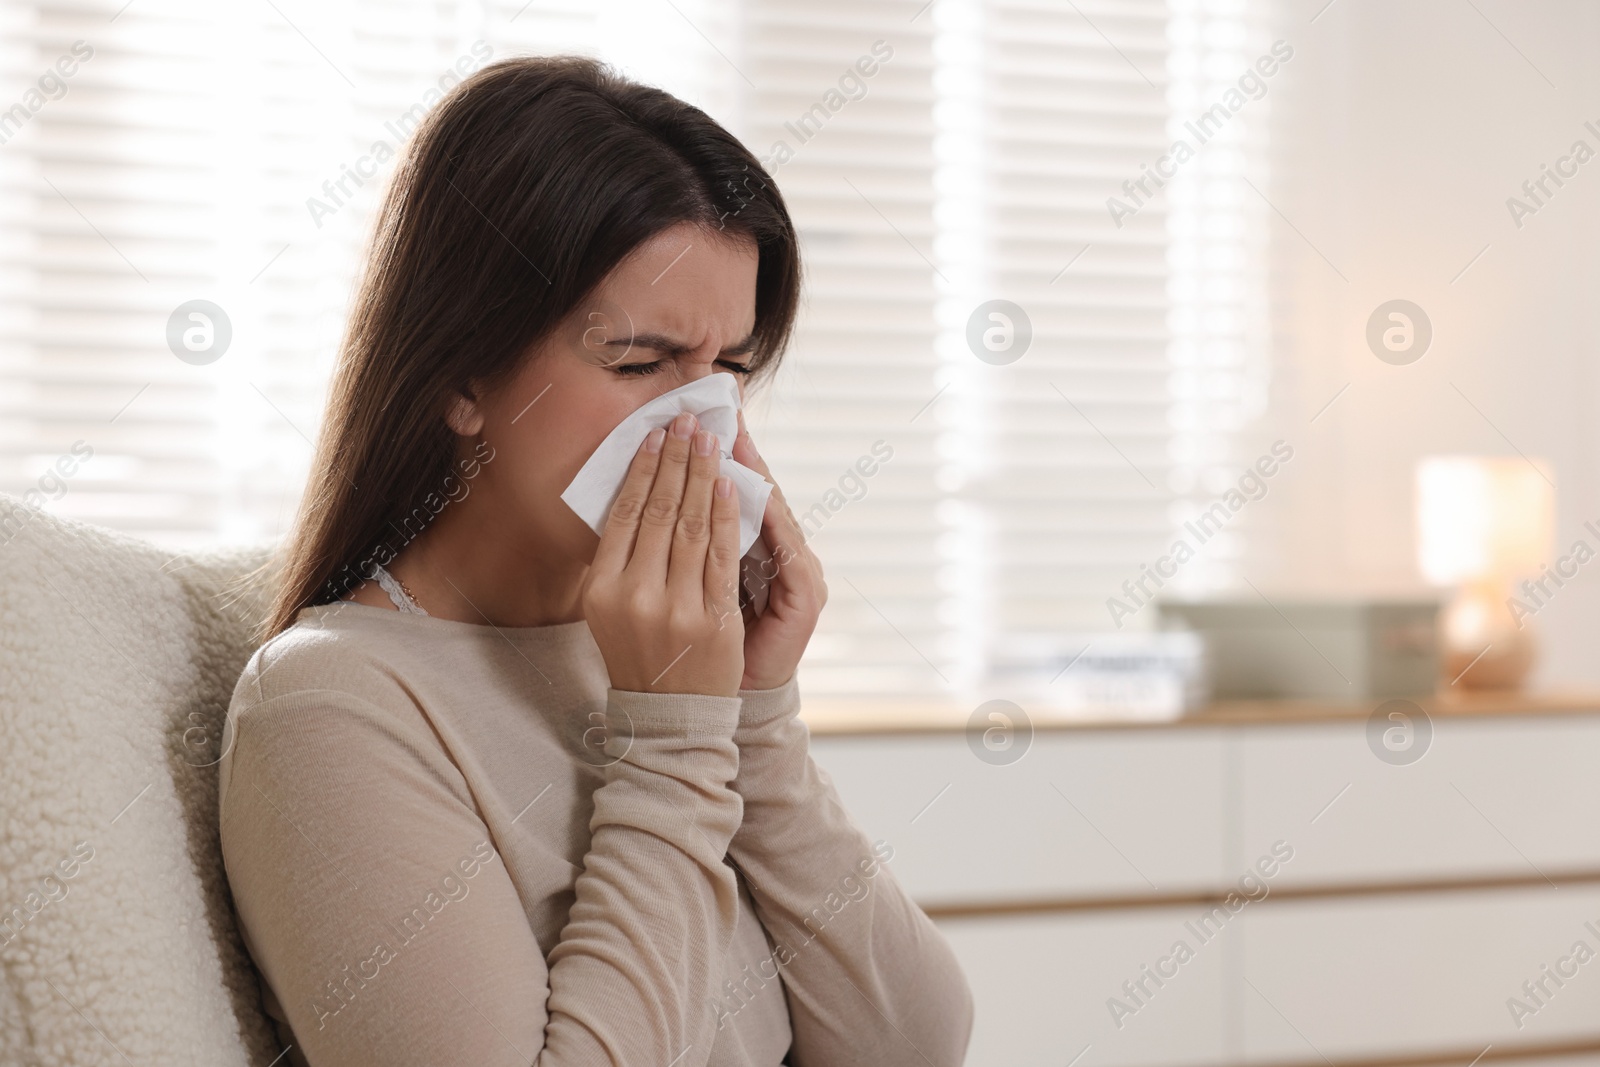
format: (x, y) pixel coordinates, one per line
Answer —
(371, 897)
(869, 978)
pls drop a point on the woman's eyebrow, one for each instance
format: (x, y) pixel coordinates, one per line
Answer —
(662, 343)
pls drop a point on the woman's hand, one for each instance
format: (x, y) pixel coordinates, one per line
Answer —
(661, 597)
(774, 641)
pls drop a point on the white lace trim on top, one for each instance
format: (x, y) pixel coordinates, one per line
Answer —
(387, 582)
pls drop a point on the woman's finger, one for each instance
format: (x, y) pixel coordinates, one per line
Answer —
(686, 571)
(659, 520)
(622, 524)
(744, 450)
(722, 556)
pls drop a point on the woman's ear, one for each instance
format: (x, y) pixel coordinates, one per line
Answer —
(464, 416)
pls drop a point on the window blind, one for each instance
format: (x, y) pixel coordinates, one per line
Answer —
(936, 157)
(205, 152)
(859, 179)
(977, 169)
(1219, 213)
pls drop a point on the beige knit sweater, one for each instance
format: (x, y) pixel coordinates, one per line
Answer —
(454, 844)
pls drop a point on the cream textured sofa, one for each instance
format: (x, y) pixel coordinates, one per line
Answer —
(117, 936)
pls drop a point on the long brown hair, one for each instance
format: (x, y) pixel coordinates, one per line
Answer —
(520, 192)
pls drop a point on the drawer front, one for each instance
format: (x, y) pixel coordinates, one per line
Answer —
(1042, 987)
(1081, 814)
(1290, 982)
(1417, 973)
(1491, 797)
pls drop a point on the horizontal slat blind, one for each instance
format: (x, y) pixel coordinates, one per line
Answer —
(935, 157)
(205, 151)
(1077, 492)
(1218, 226)
(860, 185)
(976, 167)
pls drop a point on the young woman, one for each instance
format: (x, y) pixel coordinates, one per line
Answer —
(501, 791)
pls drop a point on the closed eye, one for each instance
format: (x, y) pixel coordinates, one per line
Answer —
(637, 369)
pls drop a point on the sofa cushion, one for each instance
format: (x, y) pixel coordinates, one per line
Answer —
(117, 935)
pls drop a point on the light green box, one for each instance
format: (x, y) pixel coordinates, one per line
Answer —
(1314, 650)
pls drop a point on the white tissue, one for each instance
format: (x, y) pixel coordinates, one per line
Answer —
(714, 400)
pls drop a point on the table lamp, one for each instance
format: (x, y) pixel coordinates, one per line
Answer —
(1483, 523)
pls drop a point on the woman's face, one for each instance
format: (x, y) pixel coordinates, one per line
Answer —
(682, 306)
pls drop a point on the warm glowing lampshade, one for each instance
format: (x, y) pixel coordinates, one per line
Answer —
(1480, 517)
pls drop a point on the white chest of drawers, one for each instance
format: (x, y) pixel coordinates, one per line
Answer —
(1418, 901)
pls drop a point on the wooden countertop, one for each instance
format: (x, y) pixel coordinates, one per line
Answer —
(839, 717)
